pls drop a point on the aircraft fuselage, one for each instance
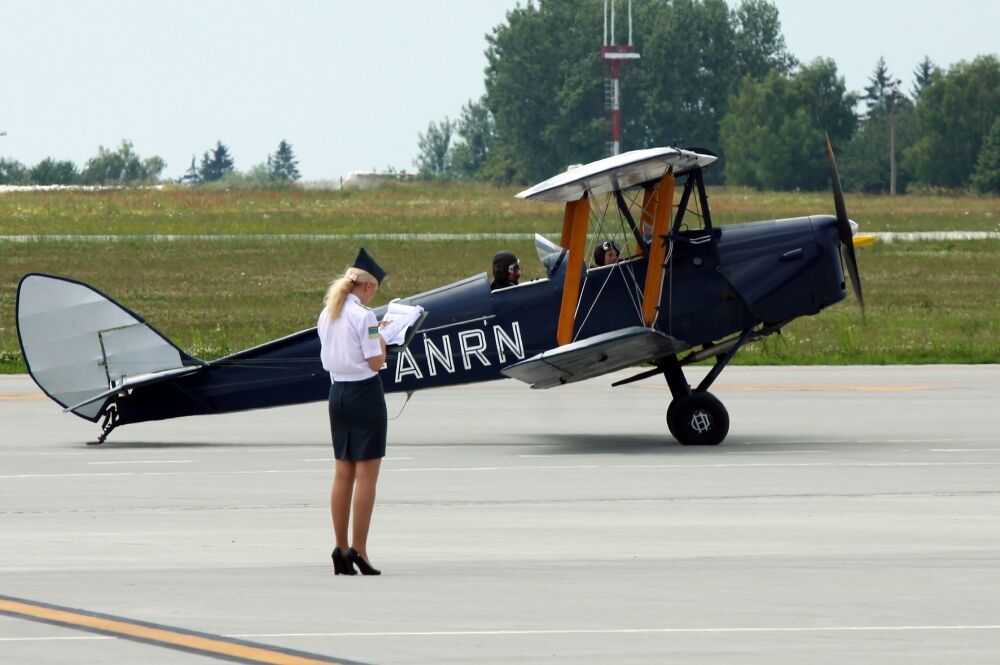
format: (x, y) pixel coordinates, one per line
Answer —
(716, 284)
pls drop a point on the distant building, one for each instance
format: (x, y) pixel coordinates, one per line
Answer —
(372, 179)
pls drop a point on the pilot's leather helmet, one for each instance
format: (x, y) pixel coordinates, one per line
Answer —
(502, 264)
(603, 249)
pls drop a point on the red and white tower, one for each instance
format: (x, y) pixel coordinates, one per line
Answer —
(615, 56)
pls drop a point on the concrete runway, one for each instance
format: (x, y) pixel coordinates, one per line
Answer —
(853, 515)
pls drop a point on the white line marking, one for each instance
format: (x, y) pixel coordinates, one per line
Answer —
(820, 442)
(330, 459)
(224, 449)
(149, 461)
(502, 468)
(567, 631)
(625, 631)
(772, 452)
(965, 450)
(780, 464)
(511, 468)
(47, 639)
(165, 473)
(559, 456)
(220, 449)
(269, 237)
(884, 236)
(991, 440)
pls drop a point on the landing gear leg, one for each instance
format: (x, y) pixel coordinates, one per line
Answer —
(679, 389)
(110, 422)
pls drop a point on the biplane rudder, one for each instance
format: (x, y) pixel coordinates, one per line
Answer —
(78, 343)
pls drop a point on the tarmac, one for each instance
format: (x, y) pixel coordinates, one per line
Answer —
(852, 515)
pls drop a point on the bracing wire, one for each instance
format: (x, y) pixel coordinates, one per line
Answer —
(409, 394)
(599, 216)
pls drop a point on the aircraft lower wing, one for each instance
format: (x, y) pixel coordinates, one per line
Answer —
(595, 356)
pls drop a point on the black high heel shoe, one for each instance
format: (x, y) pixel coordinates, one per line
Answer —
(352, 557)
(341, 564)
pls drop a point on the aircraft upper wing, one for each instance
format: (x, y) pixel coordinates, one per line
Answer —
(616, 173)
(594, 356)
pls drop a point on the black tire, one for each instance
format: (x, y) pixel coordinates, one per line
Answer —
(670, 415)
(699, 419)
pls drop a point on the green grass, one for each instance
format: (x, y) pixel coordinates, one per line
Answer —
(928, 302)
(397, 208)
(913, 212)
(416, 207)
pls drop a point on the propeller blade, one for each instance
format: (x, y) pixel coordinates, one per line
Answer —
(844, 227)
(852, 268)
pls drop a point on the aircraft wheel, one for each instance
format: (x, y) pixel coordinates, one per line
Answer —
(699, 419)
(670, 417)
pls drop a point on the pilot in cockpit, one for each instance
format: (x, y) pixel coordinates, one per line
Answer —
(506, 270)
(607, 253)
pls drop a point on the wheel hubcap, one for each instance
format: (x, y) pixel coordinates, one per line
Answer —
(701, 421)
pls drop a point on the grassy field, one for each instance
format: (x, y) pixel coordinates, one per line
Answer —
(430, 208)
(928, 302)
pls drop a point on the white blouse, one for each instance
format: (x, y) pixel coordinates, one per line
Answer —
(347, 343)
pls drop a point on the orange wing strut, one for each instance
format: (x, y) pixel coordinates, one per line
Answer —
(575, 239)
(567, 224)
(662, 206)
(646, 217)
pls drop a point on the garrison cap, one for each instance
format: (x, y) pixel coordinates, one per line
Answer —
(367, 263)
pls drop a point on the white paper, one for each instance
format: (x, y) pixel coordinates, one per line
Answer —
(398, 318)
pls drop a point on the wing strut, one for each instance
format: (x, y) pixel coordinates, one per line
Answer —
(574, 237)
(646, 217)
(662, 205)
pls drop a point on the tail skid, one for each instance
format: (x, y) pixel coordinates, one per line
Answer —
(81, 347)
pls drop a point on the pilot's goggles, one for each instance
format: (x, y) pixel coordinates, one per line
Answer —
(609, 245)
(514, 267)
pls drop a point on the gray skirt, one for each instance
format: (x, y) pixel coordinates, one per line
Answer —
(358, 419)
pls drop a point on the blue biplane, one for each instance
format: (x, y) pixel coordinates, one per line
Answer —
(683, 291)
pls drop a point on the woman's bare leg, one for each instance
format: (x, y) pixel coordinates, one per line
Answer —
(340, 500)
(366, 477)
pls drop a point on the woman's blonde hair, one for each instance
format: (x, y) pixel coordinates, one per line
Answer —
(340, 287)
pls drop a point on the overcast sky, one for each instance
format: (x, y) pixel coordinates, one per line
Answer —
(348, 84)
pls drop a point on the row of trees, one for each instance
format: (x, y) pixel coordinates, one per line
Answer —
(721, 79)
(217, 165)
(121, 166)
(125, 167)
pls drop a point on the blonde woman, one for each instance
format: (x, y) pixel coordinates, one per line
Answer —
(353, 351)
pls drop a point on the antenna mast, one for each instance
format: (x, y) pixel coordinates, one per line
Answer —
(615, 56)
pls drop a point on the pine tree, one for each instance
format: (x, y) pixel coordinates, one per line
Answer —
(216, 163)
(476, 131)
(191, 175)
(282, 165)
(986, 176)
(922, 77)
(882, 84)
(432, 162)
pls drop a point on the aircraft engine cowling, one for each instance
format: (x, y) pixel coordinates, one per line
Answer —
(783, 268)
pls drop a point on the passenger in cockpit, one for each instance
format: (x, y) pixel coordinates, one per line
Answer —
(506, 270)
(607, 253)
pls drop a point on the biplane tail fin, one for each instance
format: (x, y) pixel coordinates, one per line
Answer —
(79, 344)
